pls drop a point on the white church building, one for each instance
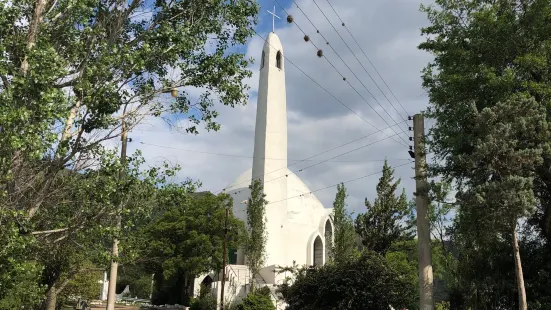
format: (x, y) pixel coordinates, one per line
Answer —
(299, 228)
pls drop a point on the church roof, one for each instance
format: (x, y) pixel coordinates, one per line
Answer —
(295, 185)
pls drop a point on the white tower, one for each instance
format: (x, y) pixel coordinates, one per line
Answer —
(270, 145)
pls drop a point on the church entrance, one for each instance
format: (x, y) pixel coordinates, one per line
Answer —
(206, 286)
(318, 251)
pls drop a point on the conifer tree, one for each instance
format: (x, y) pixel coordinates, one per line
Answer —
(255, 248)
(489, 87)
(344, 239)
(384, 221)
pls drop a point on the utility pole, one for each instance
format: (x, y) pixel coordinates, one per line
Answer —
(422, 202)
(111, 293)
(224, 261)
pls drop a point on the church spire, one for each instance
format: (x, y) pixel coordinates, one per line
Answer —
(270, 141)
(270, 144)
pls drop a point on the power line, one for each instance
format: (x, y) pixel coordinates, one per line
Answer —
(319, 85)
(333, 185)
(369, 60)
(330, 94)
(334, 28)
(300, 170)
(343, 77)
(252, 157)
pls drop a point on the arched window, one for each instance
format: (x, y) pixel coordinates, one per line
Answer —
(279, 60)
(262, 60)
(318, 251)
(328, 239)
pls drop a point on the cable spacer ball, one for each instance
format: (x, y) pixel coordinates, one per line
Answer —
(318, 31)
(290, 19)
(343, 78)
(320, 53)
(306, 38)
(343, 24)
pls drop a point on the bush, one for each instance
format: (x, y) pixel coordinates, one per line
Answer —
(205, 302)
(264, 291)
(260, 300)
(368, 282)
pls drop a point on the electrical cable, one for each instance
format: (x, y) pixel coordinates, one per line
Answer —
(330, 94)
(300, 170)
(252, 157)
(333, 185)
(369, 60)
(344, 78)
(371, 77)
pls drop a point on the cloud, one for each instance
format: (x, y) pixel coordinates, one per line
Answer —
(388, 32)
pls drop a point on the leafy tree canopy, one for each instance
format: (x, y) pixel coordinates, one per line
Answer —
(367, 282)
(187, 239)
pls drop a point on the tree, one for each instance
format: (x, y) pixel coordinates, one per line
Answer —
(73, 72)
(367, 282)
(489, 85)
(259, 300)
(97, 197)
(78, 66)
(344, 239)
(187, 240)
(255, 247)
(384, 221)
(19, 278)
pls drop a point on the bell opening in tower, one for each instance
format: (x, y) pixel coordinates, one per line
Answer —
(278, 60)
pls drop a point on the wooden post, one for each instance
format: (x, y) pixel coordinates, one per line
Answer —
(224, 261)
(111, 293)
(422, 202)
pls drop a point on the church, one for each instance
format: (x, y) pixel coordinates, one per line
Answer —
(299, 228)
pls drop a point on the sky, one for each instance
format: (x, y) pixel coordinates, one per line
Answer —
(388, 32)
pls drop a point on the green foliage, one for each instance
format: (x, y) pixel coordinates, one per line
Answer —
(490, 90)
(205, 302)
(344, 239)
(490, 56)
(71, 73)
(255, 247)
(84, 285)
(443, 306)
(367, 282)
(137, 278)
(19, 279)
(187, 239)
(402, 257)
(385, 219)
(260, 300)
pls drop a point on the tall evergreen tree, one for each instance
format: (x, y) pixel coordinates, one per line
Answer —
(344, 239)
(255, 248)
(490, 87)
(383, 222)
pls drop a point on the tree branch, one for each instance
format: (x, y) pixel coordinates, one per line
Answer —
(51, 231)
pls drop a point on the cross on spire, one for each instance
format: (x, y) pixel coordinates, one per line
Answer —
(273, 19)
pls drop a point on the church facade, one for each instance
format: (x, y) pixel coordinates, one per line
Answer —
(299, 228)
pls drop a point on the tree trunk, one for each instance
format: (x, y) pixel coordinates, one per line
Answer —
(33, 31)
(51, 298)
(68, 130)
(522, 304)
